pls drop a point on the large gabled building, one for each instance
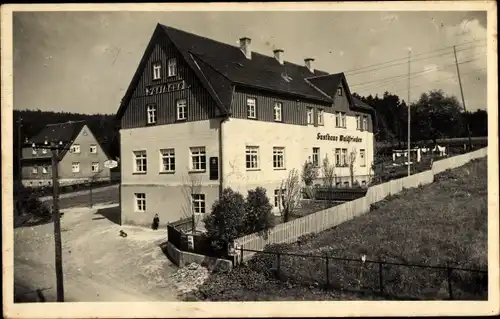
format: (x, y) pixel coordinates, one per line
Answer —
(81, 157)
(200, 115)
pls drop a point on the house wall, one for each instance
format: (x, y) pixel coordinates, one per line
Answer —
(167, 194)
(298, 142)
(294, 110)
(85, 139)
(200, 105)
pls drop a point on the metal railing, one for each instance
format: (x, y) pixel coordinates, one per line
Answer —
(377, 275)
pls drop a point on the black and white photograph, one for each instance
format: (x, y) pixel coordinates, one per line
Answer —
(186, 157)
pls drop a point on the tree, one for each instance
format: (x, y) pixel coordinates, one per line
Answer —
(258, 212)
(309, 173)
(352, 160)
(436, 115)
(226, 222)
(329, 175)
(191, 185)
(289, 192)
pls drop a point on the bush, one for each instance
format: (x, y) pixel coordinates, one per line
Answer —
(309, 173)
(258, 212)
(27, 204)
(226, 221)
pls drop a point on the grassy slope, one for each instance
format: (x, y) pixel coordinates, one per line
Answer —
(439, 223)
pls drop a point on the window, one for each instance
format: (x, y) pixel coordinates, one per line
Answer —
(252, 157)
(339, 91)
(75, 167)
(44, 151)
(172, 67)
(44, 170)
(167, 160)
(358, 122)
(34, 151)
(75, 149)
(337, 119)
(320, 117)
(140, 162)
(365, 123)
(338, 161)
(157, 71)
(140, 202)
(198, 203)
(342, 118)
(277, 202)
(346, 184)
(315, 158)
(93, 149)
(278, 157)
(251, 108)
(363, 183)
(310, 115)
(198, 159)
(181, 109)
(338, 184)
(34, 170)
(95, 167)
(277, 111)
(344, 157)
(151, 114)
(362, 157)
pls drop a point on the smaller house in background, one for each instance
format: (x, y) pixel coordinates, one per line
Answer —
(80, 160)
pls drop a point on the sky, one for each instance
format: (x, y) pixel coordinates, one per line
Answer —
(84, 61)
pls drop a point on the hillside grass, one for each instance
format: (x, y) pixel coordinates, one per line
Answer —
(444, 223)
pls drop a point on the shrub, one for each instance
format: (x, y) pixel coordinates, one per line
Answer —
(258, 212)
(309, 173)
(226, 222)
(27, 203)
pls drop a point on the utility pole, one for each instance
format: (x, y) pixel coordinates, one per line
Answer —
(19, 151)
(409, 113)
(463, 100)
(56, 216)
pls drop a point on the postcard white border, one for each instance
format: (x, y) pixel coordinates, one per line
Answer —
(253, 309)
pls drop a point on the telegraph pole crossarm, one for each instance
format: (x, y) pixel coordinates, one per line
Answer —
(56, 216)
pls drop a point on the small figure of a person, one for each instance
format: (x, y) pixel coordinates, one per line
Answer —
(156, 222)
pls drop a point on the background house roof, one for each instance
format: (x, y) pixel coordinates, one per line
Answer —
(61, 132)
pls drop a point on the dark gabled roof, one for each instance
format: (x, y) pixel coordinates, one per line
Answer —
(221, 66)
(61, 132)
(261, 71)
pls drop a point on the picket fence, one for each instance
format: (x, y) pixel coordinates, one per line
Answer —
(289, 232)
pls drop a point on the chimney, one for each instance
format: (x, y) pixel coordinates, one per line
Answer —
(278, 54)
(309, 64)
(245, 47)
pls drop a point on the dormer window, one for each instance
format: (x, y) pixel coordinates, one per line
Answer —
(172, 67)
(339, 91)
(157, 71)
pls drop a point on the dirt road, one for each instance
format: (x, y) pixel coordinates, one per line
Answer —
(110, 195)
(98, 264)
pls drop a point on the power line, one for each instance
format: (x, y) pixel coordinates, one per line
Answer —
(440, 80)
(399, 78)
(351, 71)
(402, 63)
(402, 75)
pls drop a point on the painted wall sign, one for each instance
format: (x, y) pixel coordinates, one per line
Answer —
(166, 87)
(339, 138)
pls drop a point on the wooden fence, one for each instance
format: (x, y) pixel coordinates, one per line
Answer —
(289, 232)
